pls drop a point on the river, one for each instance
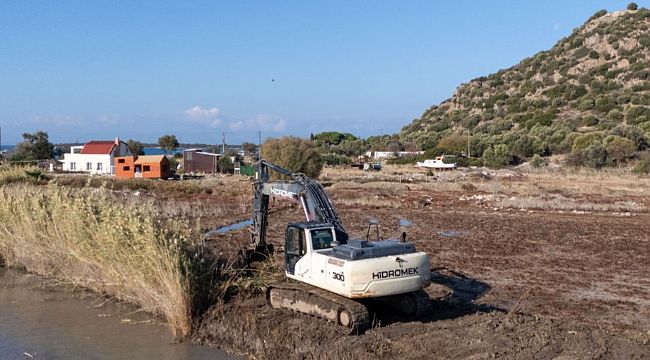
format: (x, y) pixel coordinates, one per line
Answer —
(39, 322)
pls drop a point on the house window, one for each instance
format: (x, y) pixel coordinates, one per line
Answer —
(146, 168)
(126, 168)
(99, 166)
(189, 155)
(73, 166)
(89, 166)
(120, 161)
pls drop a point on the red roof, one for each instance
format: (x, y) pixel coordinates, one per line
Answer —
(98, 147)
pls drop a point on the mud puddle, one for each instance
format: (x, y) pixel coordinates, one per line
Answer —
(226, 229)
(38, 322)
(453, 233)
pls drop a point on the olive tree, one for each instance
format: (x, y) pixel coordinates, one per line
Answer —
(294, 154)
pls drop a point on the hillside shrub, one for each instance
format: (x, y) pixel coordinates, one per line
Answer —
(589, 120)
(538, 161)
(619, 149)
(335, 159)
(585, 140)
(594, 156)
(642, 167)
(632, 6)
(497, 157)
(637, 114)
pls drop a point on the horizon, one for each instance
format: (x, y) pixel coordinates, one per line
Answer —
(102, 70)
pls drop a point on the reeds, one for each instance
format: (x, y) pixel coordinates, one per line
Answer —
(90, 238)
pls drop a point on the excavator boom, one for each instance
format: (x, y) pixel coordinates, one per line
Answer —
(309, 193)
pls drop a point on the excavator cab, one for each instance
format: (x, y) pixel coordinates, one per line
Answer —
(302, 238)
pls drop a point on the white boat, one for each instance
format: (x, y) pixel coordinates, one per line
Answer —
(438, 163)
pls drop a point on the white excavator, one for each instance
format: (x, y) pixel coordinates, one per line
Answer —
(336, 277)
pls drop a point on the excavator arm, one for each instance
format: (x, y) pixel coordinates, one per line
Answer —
(300, 188)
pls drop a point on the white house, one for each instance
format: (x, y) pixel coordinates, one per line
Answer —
(96, 157)
(380, 155)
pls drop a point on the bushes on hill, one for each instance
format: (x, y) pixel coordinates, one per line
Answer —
(637, 114)
(497, 156)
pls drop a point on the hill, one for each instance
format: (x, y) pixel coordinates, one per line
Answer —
(587, 97)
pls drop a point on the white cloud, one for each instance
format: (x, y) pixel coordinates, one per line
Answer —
(279, 126)
(201, 112)
(206, 116)
(260, 122)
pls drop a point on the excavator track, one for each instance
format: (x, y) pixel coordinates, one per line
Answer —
(350, 314)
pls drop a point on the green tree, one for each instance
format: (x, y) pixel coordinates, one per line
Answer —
(632, 6)
(619, 149)
(168, 142)
(294, 154)
(497, 156)
(35, 146)
(332, 137)
(136, 147)
(225, 165)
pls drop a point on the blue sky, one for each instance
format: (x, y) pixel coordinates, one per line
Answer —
(140, 69)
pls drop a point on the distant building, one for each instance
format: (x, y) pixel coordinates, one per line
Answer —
(380, 155)
(145, 167)
(95, 157)
(198, 160)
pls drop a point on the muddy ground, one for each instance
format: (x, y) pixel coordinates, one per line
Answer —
(507, 282)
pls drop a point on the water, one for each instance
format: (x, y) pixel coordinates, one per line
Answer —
(453, 233)
(228, 228)
(405, 223)
(41, 323)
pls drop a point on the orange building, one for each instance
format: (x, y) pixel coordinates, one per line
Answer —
(146, 167)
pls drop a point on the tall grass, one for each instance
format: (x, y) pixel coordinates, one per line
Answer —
(89, 237)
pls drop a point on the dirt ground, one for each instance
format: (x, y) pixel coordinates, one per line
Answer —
(528, 282)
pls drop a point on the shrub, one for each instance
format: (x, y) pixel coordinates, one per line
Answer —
(225, 165)
(497, 156)
(632, 6)
(538, 161)
(594, 54)
(594, 156)
(335, 159)
(619, 149)
(584, 141)
(642, 167)
(589, 121)
(637, 114)
(598, 14)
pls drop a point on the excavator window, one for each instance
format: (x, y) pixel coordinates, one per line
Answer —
(321, 239)
(295, 241)
(294, 247)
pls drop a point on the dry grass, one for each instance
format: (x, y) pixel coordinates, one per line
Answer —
(529, 181)
(89, 238)
(559, 202)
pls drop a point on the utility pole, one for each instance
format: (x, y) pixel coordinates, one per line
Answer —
(469, 153)
(223, 143)
(259, 146)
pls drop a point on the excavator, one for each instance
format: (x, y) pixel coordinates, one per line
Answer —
(332, 276)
